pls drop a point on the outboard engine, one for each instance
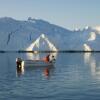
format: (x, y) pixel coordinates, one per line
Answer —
(19, 63)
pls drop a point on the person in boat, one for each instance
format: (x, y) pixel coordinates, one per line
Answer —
(47, 58)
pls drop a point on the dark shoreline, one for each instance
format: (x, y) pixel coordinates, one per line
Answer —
(63, 51)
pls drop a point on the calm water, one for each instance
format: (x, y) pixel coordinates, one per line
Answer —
(76, 76)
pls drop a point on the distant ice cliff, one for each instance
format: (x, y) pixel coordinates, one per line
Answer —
(19, 35)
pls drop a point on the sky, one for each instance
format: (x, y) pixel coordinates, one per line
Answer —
(69, 14)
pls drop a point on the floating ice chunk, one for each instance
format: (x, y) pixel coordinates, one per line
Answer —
(87, 48)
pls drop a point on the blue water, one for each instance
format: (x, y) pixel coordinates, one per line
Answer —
(75, 76)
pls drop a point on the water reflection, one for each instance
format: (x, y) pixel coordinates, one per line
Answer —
(46, 71)
(87, 57)
(19, 71)
(91, 59)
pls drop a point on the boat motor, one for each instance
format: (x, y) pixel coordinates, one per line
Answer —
(19, 62)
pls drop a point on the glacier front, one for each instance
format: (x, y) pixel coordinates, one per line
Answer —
(19, 35)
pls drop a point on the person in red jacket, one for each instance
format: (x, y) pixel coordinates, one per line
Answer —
(46, 59)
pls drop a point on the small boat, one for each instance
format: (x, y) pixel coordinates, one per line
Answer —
(35, 63)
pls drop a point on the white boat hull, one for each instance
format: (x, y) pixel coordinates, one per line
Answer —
(37, 63)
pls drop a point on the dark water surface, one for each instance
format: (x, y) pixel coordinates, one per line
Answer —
(75, 76)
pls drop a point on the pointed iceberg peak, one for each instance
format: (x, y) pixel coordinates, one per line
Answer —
(42, 43)
(43, 36)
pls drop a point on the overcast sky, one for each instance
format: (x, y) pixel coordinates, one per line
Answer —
(66, 13)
